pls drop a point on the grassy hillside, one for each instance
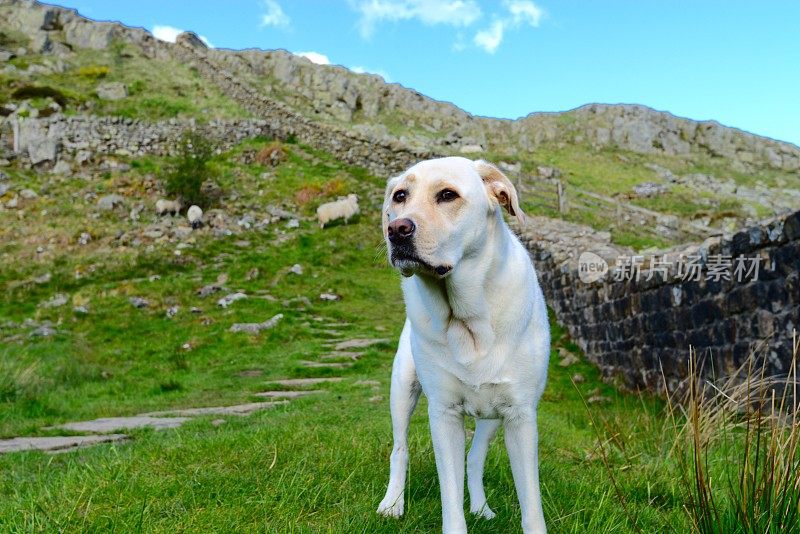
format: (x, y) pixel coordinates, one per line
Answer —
(289, 468)
(157, 88)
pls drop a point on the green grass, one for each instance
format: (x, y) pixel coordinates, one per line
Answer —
(316, 464)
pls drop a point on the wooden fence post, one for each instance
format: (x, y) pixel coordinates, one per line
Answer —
(562, 198)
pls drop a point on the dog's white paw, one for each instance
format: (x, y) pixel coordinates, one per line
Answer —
(391, 507)
(484, 512)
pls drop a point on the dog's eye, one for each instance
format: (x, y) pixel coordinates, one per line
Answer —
(400, 196)
(446, 195)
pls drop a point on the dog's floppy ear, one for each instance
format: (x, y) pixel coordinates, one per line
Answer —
(500, 188)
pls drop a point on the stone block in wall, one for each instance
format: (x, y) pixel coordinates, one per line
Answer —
(791, 226)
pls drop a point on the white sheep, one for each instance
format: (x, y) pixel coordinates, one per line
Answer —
(163, 206)
(339, 209)
(195, 215)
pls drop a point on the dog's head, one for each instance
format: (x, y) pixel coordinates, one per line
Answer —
(438, 212)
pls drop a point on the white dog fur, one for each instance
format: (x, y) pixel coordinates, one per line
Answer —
(476, 338)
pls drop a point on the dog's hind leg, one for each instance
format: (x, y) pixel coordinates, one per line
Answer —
(485, 430)
(403, 398)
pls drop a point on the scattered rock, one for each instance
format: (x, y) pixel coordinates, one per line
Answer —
(329, 296)
(598, 399)
(649, 189)
(252, 274)
(85, 238)
(56, 301)
(255, 328)
(208, 290)
(113, 424)
(296, 269)
(288, 394)
(470, 149)
(358, 343)
(172, 311)
(370, 383)
(239, 409)
(28, 194)
(109, 202)
(139, 302)
(567, 358)
(218, 422)
(44, 330)
(43, 278)
(80, 310)
(62, 168)
(293, 223)
(325, 365)
(227, 300)
(55, 443)
(112, 91)
(300, 382)
(578, 378)
(42, 149)
(547, 172)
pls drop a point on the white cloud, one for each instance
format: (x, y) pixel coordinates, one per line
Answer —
(431, 12)
(490, 38)
(519, 12)
(170, 33)
(358, 69)
(314, 57)
(524, 11)
(273, 15)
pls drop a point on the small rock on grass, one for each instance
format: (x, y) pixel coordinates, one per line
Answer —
(296, 269)
(139, 302)
(329, 297)
(172, 311)
(255, 328)
(578, 378)
(569, 359)
(227, 300)
(56, 301)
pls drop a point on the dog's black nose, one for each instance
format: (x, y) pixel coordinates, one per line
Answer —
(401, 230)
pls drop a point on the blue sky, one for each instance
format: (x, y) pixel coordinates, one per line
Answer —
(732, 61)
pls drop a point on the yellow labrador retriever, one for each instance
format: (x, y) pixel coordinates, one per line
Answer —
(476, 339)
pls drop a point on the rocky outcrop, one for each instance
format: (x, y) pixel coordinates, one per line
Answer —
(384, 113)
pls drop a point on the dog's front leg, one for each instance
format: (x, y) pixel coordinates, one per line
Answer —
(403, 399)
(521, 436)
(447, 432)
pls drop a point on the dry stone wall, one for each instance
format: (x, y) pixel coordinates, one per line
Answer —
(637, 329)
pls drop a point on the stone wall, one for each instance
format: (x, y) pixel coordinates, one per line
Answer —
(81, 137)
(634, 330)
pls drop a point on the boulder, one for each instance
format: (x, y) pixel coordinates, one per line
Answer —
(42, 149)
(649, 189)
(109, 202)
(112, 91)
(90, 34)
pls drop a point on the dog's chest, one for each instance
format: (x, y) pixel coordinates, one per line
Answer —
(489, 401)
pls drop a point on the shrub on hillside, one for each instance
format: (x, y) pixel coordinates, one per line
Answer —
(190, 170)
(94, 71)
(33, 91)
(271, 155)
